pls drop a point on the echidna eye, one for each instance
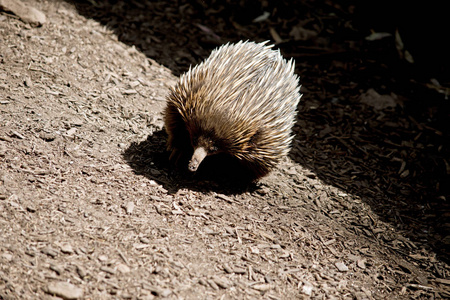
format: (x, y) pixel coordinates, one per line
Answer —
(213, 149)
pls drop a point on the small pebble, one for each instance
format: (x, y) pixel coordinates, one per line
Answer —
(361, 263)
(102, 258)
(157, 291)
(129, 92)
(129, 208)
(64, 290)
(125, 295)
(27, 82)
(71, 131)
(66, 248)
(307, 289)
(341, 267)
(50, 252)
(221, 282)
(165, 293)
(8, 257)
(122, 268)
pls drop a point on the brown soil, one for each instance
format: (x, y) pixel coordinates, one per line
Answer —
(359, 210)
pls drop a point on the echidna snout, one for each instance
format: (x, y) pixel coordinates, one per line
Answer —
(197, 158)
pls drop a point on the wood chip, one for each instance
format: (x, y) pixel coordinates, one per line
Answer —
(227, 269)
(17, 134)
(130, 92)
(213, 284)
(221, 282)
(262, 287)
(226, 198)
(108, 270)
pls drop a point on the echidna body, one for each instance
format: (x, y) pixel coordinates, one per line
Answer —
(241, 101)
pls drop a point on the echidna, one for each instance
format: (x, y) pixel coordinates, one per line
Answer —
(241, 101)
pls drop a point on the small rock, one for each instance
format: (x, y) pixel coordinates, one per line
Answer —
(307, 288)
(377, 101)
(341, 267)
(129, 207)
(126, 295)
(103, 258)
(144, 240)
(130, 92)
(122, 268)
(28, 82)
(157, 291)
(64, 290)
(50, 252)
(165, 293)
(25, 12)
(75, 121)
(8, 257)
(66, 248)
(48, 137)
(361, 263)
(71, 131)
(221, 282)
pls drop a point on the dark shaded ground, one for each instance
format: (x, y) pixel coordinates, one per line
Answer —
(395, 159)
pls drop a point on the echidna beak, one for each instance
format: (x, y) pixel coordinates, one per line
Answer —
(198, 156)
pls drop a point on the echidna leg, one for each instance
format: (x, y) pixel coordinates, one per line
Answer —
(175, 156)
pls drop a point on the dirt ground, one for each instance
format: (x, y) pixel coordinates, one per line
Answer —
(91, 209)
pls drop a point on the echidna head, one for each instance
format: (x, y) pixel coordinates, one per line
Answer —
(203, 146)
(219, 134)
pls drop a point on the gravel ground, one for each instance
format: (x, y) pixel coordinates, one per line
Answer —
(90, 208)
